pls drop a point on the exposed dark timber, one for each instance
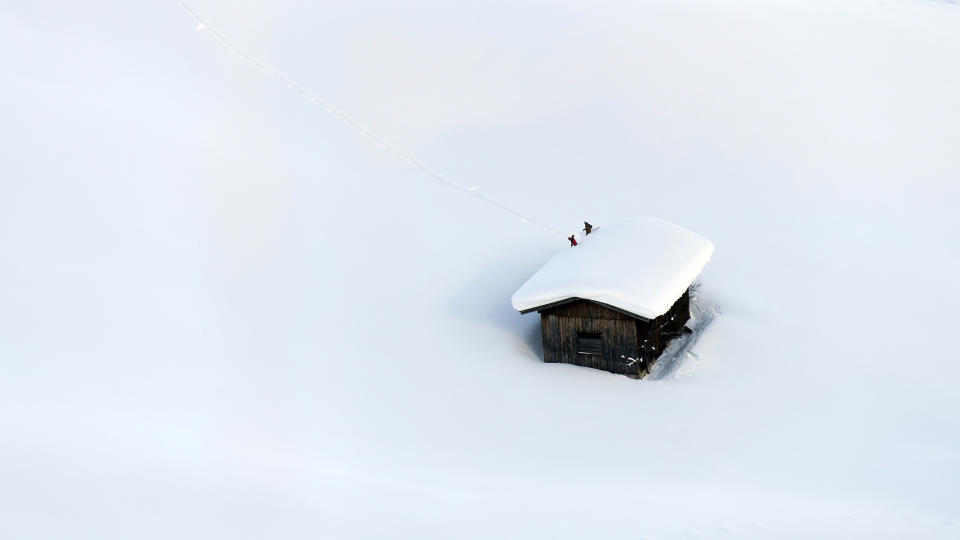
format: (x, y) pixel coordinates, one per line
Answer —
(628, 344)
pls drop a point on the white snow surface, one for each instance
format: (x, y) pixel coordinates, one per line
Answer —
(224, 315)
(641, 266)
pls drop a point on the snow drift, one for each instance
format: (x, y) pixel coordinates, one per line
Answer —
(223, 315)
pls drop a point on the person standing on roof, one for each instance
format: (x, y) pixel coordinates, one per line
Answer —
(573, 241)
(587, 227)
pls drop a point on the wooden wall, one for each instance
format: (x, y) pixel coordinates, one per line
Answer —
(624, 337)
(561, 325)
(656, 334)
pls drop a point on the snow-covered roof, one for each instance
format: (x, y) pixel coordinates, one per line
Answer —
(640, 266)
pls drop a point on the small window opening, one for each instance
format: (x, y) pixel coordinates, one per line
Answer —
(589, 343)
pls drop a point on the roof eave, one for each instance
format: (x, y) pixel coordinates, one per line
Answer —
(574, 299)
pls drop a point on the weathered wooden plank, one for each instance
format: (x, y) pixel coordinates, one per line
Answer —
(622, 337)
(587, 310)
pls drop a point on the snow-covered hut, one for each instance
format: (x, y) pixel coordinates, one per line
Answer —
(615, 301)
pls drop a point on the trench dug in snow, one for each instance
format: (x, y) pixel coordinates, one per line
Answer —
(674, 361)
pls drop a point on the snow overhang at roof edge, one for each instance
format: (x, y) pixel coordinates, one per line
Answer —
(614, 267)
(574, 299)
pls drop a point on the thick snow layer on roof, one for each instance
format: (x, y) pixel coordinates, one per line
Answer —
(641, 266)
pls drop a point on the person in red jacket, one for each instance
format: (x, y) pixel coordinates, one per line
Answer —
(573, 241)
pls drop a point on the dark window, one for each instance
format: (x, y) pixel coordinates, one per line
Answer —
(589, 343)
